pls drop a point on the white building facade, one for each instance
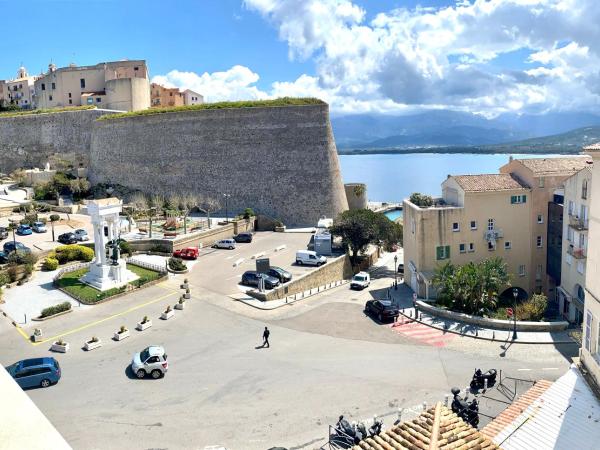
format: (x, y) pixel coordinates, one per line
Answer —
(19, 91)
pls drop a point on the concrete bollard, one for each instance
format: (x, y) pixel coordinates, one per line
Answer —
(485, 383)
(446, 400)
(476, 332)
(467, 390)
(424, 406)
(493, 335)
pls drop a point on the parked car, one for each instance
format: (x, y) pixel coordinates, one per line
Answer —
(11, 246)
(225, 243)
(251, 278)
(150, 361)
(3, 233)
(39, 227)
(3, 258)
(310, 258)
(282, 275)
(243, 237)
(35, 372)
(384, 310)
(186, 253)
(401, 268)
(360, 281)
(67, 238)
(81, 235)
(24, 230)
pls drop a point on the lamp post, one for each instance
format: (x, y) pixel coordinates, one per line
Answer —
(227, 207)
(515, 292)
(395, 272)
(13, 226)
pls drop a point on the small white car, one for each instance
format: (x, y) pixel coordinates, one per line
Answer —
(225, 243)
(310, 258)
(360, 281)
(39, 227)
(81, 235)
(150, 361)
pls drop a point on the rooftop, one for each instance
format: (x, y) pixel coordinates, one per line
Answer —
(488, 182)
(556, 166)
(436, 428)
(592, 148)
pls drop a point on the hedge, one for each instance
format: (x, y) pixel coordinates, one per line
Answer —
(52, 310)
(50, 264)
(73, 252)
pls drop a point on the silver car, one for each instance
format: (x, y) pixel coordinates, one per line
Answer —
(150, 361)
(81, 235)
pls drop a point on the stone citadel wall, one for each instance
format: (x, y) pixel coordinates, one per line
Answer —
(280, 161)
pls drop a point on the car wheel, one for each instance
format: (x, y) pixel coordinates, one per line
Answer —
(45, 383)
(156, 374)
(380, 317)
(298, 262)
(231, 248)
(140, 373)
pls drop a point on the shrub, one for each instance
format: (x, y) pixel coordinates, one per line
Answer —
(54, 218)
(29, 219)
(73, 252)
(12, 273)
(177, 264)
(20, 257)
(125, 247)
(248, 212)
(533, 309)
(52, 310)
(421, 200)
(4, 278)
(159, 249)
(50, 264)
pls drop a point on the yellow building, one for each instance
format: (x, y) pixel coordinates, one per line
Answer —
(162, 96)
(118, 85)
(590, 349)
(19, 91)
(478, 217)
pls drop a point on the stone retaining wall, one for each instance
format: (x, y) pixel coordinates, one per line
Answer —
(494, 324)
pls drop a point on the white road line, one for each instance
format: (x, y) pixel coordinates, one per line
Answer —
(549, 368)
(524, 370)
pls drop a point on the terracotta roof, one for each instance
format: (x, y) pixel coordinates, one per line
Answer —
(488, 182)
(436, 428)
(592, 148)
(556, 166)
(507, 416)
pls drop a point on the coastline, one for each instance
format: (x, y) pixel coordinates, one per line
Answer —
(565, 150)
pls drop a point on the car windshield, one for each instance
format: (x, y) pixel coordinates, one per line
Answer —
(359, 278)
(144, 355)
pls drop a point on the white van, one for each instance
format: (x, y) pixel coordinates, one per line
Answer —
(310, 258)
(225, 243)
(324, 223)
(360, 281)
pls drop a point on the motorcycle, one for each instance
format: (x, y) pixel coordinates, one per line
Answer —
(467, 411)
(478, 381)
(346, 434)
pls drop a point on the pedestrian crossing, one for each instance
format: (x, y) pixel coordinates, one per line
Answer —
(423, 333)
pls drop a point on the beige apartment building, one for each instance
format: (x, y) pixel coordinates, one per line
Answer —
(19, 91)
(477, 217)
(590, 350)
(546, 178)
(118, 85)
(162, 96)
(571, 292)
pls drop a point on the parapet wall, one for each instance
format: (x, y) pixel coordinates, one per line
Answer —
(280, 161)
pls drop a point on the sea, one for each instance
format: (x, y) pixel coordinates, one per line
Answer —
(393, 177)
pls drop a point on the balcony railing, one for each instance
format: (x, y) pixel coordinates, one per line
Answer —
(492, 235)
(576, 252)
(577, 223)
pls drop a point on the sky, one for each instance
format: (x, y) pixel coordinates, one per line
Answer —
(361, 56)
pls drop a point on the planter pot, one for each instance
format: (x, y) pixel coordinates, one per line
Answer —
(187, 296)
(180, 305)
(37, 337)
(92, 345)
(60, 348)
(184, 286)
(119, 336)
(167, 315)
(142, 326)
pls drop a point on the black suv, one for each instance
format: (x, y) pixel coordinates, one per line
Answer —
(251, 277)
(384, 310)
(3, 233)
(243, 237)
(67, 238)
(282, 275)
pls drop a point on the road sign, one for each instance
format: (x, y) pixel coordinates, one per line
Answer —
(509, 312)
(262, 265)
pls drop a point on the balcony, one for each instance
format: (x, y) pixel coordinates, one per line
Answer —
(576, 252)
(578, 224)
(492, 235)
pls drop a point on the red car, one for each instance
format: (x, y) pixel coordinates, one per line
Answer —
(186, 253)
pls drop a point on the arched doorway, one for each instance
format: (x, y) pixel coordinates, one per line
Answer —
(507, 298)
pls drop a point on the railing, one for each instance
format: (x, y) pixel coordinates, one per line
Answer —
(71, 268)
(578, 223)
(147, 265)
(577, 253)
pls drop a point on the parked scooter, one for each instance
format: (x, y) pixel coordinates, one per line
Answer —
(478, 381)
(346, 434)
(467, 411)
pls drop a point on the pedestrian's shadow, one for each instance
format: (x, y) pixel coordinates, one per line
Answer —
(260, 347)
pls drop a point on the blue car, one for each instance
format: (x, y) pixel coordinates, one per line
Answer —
(10, 247)
(35, 372)
(3, 258)
(24, 230)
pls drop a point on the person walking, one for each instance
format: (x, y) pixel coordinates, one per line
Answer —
(266, 334)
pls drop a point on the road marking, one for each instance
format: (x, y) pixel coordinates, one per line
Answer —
(524, 370)
(549, 368)
(91, 324)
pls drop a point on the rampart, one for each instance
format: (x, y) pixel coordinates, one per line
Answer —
(280, 161)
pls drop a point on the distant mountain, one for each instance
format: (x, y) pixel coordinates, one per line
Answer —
(449, 129)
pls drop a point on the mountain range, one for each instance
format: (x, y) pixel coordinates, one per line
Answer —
(453, 131)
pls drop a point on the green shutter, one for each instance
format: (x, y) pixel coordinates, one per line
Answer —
(513, 199)
(438, 253)
(524, 198)
(447, 252)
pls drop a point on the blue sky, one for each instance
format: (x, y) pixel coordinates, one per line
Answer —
(387, 56)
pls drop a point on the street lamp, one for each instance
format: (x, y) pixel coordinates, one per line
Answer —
(395, 272)
(13, 226)
(515, 292)
(227, 207)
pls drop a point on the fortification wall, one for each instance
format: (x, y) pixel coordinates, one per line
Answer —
(280, 161)
(32, 140)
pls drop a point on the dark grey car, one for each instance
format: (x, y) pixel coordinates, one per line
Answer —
(251, 278)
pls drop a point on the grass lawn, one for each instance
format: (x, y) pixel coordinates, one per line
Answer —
(87, 294)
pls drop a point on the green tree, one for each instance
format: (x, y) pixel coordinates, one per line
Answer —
(421, 200)
(53, 218)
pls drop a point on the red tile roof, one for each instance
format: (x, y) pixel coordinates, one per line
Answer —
(488, 182)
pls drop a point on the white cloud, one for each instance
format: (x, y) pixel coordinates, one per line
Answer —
(428, 57)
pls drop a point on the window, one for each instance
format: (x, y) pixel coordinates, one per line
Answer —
(490, 224)
(569, 259)
(491, 246)
(571, 207)
(570, 234)
(82, 83)
(588, 331)
(413, 226)
(518, 199)
(98, 100)
(471, 247)
(455, 226)
(53, 86)
(581, 240)
(507, 245)
(462, 248)
(43, 87)
(69, 95)
(522, 270)
(473, 225)
(50, 97)
(580, 267)
(584, 189)
(538, 272)
(540, 218)
(136, 68)
(541, 182)
(70, 102)
(442, 252)
(90, 101)
(566, 306)
(539, 241)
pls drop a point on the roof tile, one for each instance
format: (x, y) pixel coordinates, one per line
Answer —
(488, 182)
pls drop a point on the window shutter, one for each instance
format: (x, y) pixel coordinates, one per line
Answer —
(438, 251)
(513, 199)
(447, 255)
(524, 197)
